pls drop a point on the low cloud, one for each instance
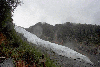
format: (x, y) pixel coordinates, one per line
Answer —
(57, 12)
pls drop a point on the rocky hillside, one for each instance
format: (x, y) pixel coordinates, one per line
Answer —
(83, 33)
(68, 33)
(81, 40)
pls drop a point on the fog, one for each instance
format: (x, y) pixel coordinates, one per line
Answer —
(57, 12)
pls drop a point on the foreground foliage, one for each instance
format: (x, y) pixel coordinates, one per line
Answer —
(11, 44)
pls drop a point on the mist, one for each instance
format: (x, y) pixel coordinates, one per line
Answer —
(57, 12)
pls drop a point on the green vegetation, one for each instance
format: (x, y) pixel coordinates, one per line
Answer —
(11, 44)
(25, 52)
(81, 32)
(69, 32)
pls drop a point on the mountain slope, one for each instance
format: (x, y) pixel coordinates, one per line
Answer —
(60, 50)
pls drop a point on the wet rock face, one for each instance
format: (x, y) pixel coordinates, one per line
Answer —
(7, 63)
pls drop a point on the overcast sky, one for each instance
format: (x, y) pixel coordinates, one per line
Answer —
(57, 12)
